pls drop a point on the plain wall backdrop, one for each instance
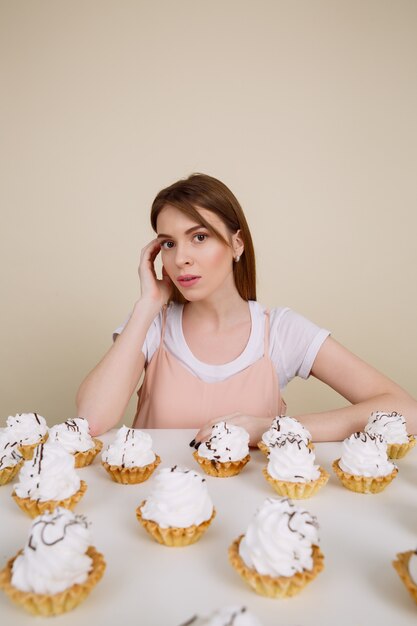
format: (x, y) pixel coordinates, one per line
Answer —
(305, 109)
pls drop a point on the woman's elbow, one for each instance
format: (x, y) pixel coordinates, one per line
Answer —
(411, 416)
(97, 425)
(407, 406)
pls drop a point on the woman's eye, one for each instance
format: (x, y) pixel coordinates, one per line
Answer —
(200, 237)
(166, 245)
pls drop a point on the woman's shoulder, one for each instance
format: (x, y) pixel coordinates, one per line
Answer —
(171, 311)
(275, 313)
(285, 322)
(172, 308)
(294, 342)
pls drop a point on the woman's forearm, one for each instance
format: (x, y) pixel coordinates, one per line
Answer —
(363, 386)
(336, 425)
(104, 394)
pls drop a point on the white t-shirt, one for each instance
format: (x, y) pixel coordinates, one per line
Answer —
(293, 344)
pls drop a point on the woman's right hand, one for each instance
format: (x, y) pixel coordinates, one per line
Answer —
(154, 289)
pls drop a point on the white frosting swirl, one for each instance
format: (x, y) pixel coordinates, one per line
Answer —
(227, 442)
(131, 448)
(279, 539)
(283, 425)
(391, 426)
(412, 567)
(291, 459)
(179, 498)
(226, 616)
(73, 435)
(50, 475)
(364, 454)
(27, 428)
(55, 556)
(9, 454)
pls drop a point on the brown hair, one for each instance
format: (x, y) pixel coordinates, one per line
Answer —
(206, 192)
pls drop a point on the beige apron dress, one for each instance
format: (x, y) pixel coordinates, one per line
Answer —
(172, 397)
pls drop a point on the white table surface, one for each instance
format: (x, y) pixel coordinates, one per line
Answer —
(152, 585)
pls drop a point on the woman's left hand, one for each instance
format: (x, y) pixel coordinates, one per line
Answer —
(255, 426)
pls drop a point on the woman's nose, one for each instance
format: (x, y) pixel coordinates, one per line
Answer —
(182, 257)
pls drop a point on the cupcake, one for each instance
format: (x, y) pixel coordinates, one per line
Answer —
(57, 568)
(279, 554)
(10, 458)
(29, 430)
(74, 436)
(48, 480)
(226, 616)
(179, 509)
(391, 426)
(291, 468)
(226, 452)
(129, 459)
(406, 566)
(283, 425)
(364, 466)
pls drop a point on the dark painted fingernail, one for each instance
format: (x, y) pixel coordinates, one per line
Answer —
(192, 443)
(197, 445)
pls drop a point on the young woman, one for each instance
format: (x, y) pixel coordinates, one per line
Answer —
(209, 350)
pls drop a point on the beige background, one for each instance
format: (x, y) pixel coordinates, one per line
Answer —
(305, 109)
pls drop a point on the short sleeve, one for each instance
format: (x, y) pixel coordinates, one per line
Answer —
(294, 344)
(152, 339)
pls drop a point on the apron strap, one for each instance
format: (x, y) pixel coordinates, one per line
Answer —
(266, 335)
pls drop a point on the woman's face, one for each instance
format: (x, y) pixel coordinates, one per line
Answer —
(198, 263)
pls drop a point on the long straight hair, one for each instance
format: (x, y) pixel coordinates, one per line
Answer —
(200, 191)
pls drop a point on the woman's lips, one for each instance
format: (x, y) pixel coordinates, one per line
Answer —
(188, 280)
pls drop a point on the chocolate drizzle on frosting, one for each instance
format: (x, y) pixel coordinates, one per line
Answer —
(15, 456)
(387, 418)
(38, 458)
(192, 620)
(217, 435)
(72, 426)
(297, 514)
(290, 518)
(290, 438)
(47, 525)
(362, 436)
(276, 424)
(10, 456)
(130, 434)
(233, 617)
(230, 621)
(220, 430)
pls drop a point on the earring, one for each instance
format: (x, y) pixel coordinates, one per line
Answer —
(237, 258)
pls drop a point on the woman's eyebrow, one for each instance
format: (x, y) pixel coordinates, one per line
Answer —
(187, 232)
